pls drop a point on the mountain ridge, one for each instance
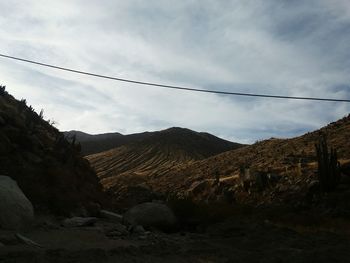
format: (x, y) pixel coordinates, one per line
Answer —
(95, 143)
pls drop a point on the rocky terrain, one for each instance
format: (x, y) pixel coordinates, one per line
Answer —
(240, 239)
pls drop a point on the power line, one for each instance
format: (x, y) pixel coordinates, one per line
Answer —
(173, 87)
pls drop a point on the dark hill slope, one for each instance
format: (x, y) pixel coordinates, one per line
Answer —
(48, 168)
(91, 144)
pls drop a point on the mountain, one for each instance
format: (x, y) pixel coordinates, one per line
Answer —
(49, 169)
(91, 144)
(157, 154)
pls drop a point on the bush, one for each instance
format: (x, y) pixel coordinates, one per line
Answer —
(328, 166)
(2, 90)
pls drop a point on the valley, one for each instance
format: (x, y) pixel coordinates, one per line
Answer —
(176, 195)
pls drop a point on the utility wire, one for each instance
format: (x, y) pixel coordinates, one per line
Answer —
(173, 87)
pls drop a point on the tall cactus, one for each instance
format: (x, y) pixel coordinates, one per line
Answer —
(328, 166)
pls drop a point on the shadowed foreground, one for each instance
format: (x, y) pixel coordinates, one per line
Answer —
(242, 239)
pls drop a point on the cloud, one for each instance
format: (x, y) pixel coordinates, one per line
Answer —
(296, 48)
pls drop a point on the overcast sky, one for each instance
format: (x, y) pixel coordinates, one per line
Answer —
(293, 48)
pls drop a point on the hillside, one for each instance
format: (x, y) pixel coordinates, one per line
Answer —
(293, 159)
(48, 168)
(158, 154)
(91, 144)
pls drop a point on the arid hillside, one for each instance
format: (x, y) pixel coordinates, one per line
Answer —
(48, 168)
(178, 161)
(133, 164)
(293, 158)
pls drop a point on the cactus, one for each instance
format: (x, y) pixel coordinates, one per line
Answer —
(328, 166)
(2, 90)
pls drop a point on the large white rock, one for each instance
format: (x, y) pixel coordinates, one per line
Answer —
(16, 211)
(150, 214)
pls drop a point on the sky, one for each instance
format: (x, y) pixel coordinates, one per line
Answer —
(292, 48)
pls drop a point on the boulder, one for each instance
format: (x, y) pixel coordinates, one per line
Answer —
(138, 230)
(111, 216)
(150, 215)
(16, 211)
(117, 230)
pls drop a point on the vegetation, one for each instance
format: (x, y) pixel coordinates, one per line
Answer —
(2, 90)
(328, 166)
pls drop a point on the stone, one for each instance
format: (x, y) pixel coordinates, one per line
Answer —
(111, 216)
(139, 230)
(79, 221)
(16, 211)
(118, 228)
(150, 215)
(27, 241)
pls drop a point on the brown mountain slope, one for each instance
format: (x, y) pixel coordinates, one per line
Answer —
(48, 168)
(91, 144)
(289, 157)
(154, 156)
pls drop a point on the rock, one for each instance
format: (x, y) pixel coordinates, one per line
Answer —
(142, 237)
(79, 221)
(118, 228)
(1, 244)
(139, 230)
(116, 231)
(27, 241)
(16, 211)
(111, 216)
(151, 215)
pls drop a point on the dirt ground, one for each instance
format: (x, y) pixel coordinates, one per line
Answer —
(243, 239)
